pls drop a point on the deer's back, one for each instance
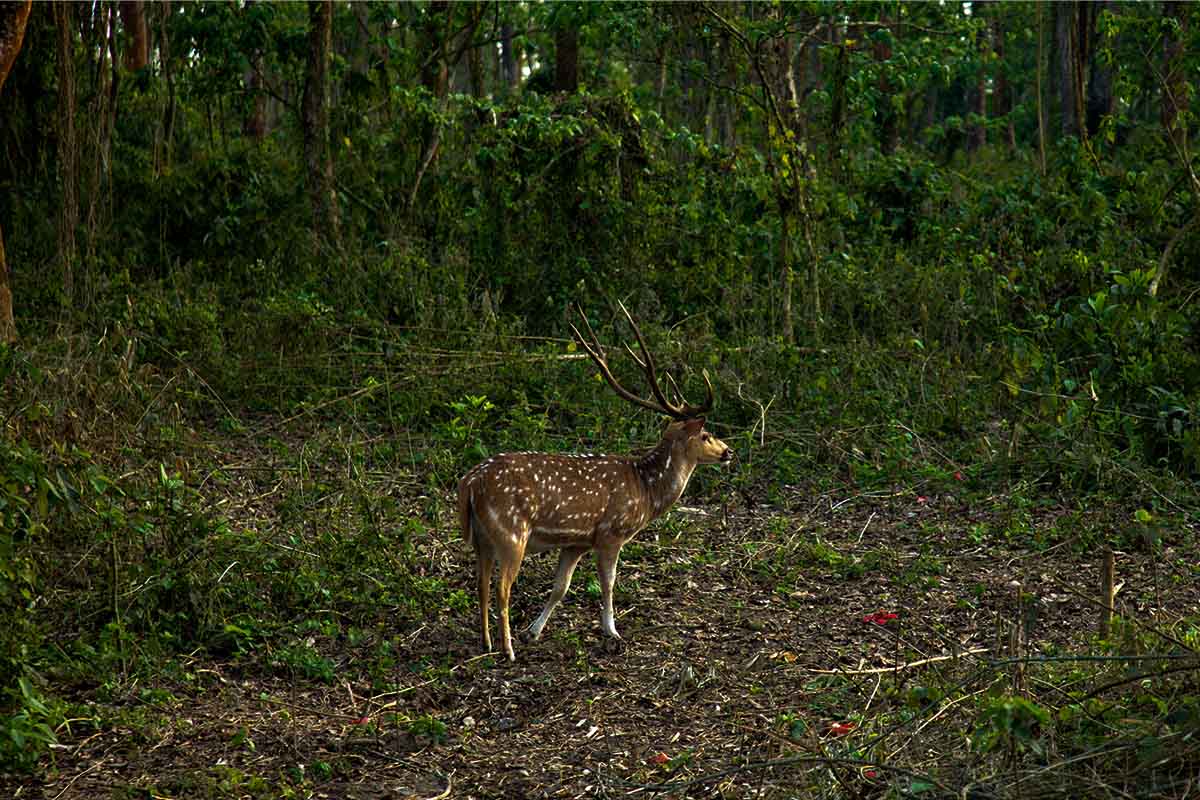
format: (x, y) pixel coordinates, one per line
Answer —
(557, 500)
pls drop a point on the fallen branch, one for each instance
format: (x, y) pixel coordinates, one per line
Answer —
(899, 667)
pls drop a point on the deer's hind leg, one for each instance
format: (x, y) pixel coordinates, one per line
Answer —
(509, 552)
(485, 559)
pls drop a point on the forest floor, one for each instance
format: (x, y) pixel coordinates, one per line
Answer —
(760, 658)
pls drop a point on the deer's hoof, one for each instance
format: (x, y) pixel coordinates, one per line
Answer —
(613, 645)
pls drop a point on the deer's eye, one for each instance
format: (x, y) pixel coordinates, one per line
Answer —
(705, 438)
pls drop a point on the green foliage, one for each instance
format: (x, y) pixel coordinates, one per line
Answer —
(990, 322)
(27, 734)
(1013, 723)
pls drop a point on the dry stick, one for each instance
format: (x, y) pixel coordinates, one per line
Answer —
(1108, 592)
(671, 786)
(197, 376)
(408, 689)
(310, 710)
(866, 525)
(71, 782)
(932, 447)
(1099, 690)
(1052, 659)
(935, 716)
(899, 667)
(1134, 620)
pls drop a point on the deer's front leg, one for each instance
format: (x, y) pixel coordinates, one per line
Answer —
(568, 559)
(606, 563)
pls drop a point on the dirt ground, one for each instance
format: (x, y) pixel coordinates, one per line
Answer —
(759, 659)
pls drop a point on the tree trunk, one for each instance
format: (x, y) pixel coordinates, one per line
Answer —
(837, 111)
(360, 61)
(317, 159)
(254, 124)
(977, 94)
(1066, 42)
(1085, 32)
(509, 77)
(1099, 87)
(162, 154)
(566, 58)
(787, 272)
(1174, 81)
(435, 67)
(13, 17)
(1003, 89)
(885, 114)
(102, 115)
(68, 150)
(726, 107)
(475, 71)
(435, 76)
(1041, 106)
(137, 43)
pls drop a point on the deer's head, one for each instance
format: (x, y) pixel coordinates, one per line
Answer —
(689, 438)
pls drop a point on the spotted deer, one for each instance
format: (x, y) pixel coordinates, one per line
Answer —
(515, 503)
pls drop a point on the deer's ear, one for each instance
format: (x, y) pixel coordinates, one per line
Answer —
(693, 426)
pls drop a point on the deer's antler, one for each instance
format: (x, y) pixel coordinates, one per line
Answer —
(680, 410)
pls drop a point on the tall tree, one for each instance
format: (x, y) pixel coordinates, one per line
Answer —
(1100, 83)
(1041, 94)
(1003, 92)
(68, 148)
(1066, 41)
(137, 45)
(887, 120)
(566, 57)
(13, 16)
(510, 77)
(977, 93)
(788, 156)
(317, 156)
(1174, 78)
(254, 124)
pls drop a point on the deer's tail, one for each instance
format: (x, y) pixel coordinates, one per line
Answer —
(465, 513)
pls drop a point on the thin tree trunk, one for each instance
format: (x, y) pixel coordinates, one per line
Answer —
(1085, 27)
(1041, 106)
(103, 116)
(360, 61)
(1066, 43)
(787, 273)
(254, 124)
(886, 117)
(726, 107)
(68, 150)
(1100, 88)
(475, 71)
(977, 94)
(435, 76)
(1003, 89)
(837, 110)
(1174, 83)
(13, 17)
(318, 162)
(167, 128)
(510, 78)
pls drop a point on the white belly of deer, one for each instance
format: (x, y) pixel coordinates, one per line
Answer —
(543, 539)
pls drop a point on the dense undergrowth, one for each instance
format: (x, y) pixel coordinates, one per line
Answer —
(978, 324)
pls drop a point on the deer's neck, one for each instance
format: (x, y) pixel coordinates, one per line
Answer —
(665, 475)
